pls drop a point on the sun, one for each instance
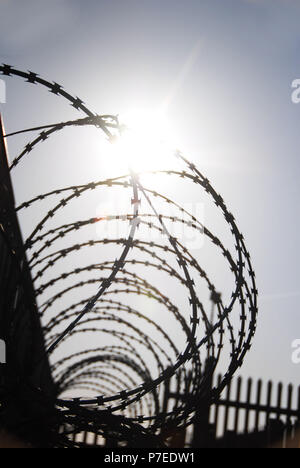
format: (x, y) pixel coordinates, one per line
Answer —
(144, 143)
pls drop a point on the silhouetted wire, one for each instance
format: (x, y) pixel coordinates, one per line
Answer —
(130, 404)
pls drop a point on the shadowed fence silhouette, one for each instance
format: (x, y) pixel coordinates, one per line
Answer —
(248, 414)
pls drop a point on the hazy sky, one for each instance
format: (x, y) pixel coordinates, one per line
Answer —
(223, 70)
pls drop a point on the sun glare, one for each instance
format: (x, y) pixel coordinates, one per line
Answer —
(144, 143)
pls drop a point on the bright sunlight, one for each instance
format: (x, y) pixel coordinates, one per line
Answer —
(144, 143)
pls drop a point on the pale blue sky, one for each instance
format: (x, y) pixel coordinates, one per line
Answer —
(225, 68)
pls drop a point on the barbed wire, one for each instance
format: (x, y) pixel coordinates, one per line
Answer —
(128, 377)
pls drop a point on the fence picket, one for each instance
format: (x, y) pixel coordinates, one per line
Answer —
(269, 402)
(217, 406)
(258, 402)
(248, 402)
(279, 398)
(226, 416)
(289, 403)
(238, 398)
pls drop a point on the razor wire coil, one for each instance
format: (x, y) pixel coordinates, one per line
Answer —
(127, 402)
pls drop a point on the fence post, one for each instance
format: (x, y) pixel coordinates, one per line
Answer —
(238, 398)
(289, 422)
(279, 398)
(269, 402)
(201, 427)
(248, 402)
(217, 409)
(258, 402)
(228, 393)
